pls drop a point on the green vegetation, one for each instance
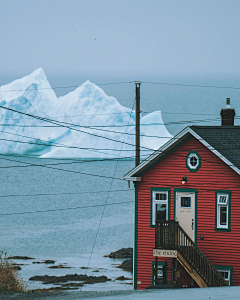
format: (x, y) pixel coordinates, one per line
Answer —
(9, 280)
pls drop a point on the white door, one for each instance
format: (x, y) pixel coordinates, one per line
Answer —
(185, 212)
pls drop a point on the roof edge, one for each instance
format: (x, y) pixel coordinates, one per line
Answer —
(206, 144)
(157, 153)
(131, 175)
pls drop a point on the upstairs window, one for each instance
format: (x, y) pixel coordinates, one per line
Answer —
(159, 205)
(222, 218)
(193, 161)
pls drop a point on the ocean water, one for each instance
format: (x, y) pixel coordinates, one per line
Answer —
(77, 222)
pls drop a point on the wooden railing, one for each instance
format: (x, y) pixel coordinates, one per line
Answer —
(170, 235)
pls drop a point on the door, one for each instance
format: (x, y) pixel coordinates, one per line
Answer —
(185, 212)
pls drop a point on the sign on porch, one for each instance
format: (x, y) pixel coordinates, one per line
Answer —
(165, 253)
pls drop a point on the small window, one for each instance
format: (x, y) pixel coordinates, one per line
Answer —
(186, 202)
(161, 273)
(193, 161)
(159, 206)
(226, 272)
(222, 210)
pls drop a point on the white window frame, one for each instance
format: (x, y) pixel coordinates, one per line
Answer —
(189, 162)
(219, 205)
(155, 201)
(228, 280)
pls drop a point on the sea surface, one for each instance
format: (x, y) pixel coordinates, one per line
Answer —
(52, 209)
(56, 209)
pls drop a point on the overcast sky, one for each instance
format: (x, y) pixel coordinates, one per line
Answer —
(172, 37)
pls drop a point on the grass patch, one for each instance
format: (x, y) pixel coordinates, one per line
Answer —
(9, 279)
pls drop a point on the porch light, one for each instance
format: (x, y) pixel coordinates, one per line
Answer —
(184, 179)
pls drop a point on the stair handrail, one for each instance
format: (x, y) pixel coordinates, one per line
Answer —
(170, 235)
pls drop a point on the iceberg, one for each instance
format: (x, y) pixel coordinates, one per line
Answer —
(84, 123)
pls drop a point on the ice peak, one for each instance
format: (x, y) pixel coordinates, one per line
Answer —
(36, 80)
(38, 73)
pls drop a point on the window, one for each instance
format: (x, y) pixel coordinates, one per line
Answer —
(161, 273)
(185, 202)
(226, 272)
(159, 205)
(193, 161)
(222, 210)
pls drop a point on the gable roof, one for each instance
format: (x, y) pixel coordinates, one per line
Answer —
(223, 141)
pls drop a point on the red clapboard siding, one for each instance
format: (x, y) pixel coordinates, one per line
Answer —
(221, 248)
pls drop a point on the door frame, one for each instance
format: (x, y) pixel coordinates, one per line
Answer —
(177, 190)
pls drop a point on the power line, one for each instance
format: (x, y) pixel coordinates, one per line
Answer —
(61, 194)
(72, 160)
(54, 168)
(63, 209)
(69, 86)
(114, 125)
(105, 203)
(82, 115)
(70, 147)
(192, 85)
(62, 124)
(123, 82)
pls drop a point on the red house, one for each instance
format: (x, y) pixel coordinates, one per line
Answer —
(187, 208)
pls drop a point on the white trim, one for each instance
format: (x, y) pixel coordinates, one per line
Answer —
(132, 178)
(158, 152)
(226, 271)
(155, 201)
(193, 167)
(219, 205)
(193, 206)
(172, 142)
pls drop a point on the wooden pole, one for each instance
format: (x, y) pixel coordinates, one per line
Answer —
(137, 125)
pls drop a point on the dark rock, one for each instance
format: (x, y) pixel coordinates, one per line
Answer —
(84, 268)
(18, 268)
(123, 278)
(127, 265)
(72, 284)
(59, 267)
(122, 253)
(48, 261)
(70, 277)
(20, 257)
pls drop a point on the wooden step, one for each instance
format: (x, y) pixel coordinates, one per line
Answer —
(198, 279)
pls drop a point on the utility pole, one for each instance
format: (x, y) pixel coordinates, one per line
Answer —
(137, 123)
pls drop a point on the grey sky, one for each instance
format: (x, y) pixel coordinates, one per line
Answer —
(171, 37)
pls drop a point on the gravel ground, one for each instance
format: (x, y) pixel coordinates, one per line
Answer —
(221, 293)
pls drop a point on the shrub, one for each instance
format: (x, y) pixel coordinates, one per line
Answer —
(9, 280)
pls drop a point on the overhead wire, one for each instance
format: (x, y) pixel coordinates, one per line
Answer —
(60, 194)
(191, 85)
(105, 203)
(54, 168)
(122, 82)
(63, 124)
(66, 87)
(63, 209)
(113, 125)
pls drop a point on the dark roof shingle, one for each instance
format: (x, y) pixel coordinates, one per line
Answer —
(224, 139)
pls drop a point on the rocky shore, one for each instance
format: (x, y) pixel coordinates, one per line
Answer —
(76, 281)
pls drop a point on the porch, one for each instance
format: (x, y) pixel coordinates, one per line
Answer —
(172, 241)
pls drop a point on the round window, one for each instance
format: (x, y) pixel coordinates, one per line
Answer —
(193, 161)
